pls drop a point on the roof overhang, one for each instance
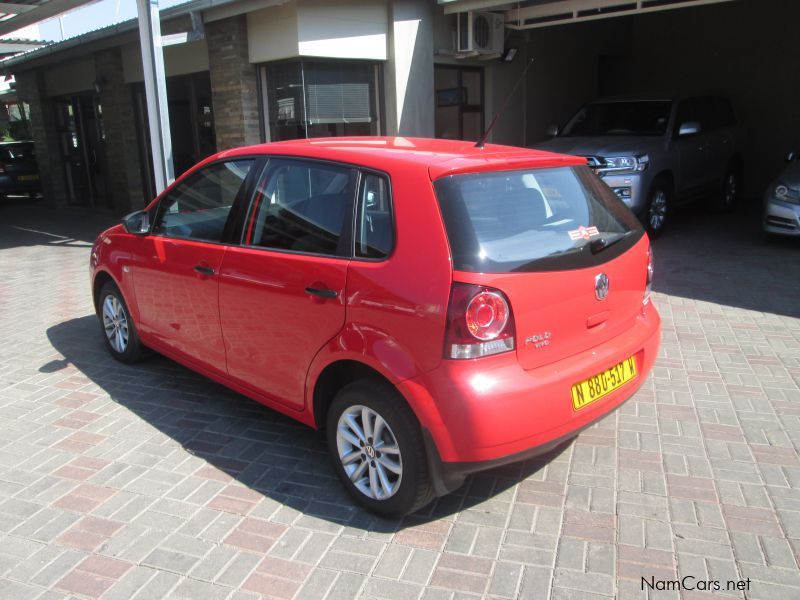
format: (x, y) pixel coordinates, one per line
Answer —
(533, 14)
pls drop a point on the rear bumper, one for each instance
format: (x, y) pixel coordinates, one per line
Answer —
(484, 413)
(9, 184)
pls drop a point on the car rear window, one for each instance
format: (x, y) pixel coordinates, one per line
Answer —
(13, 152)
(533, 220)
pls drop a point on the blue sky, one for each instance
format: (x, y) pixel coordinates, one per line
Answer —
(93, 16)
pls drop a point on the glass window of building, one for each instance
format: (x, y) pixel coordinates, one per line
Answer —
(306, 99)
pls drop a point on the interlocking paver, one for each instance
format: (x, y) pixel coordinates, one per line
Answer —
(149, 481)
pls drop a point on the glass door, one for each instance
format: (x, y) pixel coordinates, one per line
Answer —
(81, 139)
(459, 102)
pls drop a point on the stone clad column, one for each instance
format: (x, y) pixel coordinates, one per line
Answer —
(31, 89)
(123, 174)
(233, 83)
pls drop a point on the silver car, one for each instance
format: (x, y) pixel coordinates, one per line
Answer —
(782, 201)
(657, 152)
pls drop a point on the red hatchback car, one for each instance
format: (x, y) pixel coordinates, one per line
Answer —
(438, 308)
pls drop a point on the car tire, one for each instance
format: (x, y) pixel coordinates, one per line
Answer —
(389, 483)
(117, 326)
(658, 208)
(729, 194)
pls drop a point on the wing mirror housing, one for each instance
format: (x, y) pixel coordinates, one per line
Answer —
(552, 130)
(792, 156)
(137, 223)
(689, 128)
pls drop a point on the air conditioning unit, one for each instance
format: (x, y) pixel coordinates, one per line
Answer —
(480, 33)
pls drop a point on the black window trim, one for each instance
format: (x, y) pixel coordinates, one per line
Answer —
(367, 171)
(351, 224)
(233, 221)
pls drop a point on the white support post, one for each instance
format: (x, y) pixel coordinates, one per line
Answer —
(155, 87)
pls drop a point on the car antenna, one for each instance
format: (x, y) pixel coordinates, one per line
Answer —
(482, 141)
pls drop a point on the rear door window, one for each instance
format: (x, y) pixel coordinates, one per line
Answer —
(303, 206)
(533, 220)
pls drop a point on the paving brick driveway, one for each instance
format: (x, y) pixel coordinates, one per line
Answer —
(150, 481)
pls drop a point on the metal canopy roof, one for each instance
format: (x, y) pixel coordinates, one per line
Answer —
(532, 14)
(14, 46)
(21, 13)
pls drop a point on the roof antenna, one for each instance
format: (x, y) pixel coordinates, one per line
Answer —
(482, 141)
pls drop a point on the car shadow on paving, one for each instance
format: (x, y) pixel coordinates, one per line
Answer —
(264, 450)
(726, 259)
(33, 223)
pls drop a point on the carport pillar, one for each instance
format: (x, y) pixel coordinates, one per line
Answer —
(409, 74)
(155, 87)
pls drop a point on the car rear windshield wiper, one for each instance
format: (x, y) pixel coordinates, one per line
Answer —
(602, 243)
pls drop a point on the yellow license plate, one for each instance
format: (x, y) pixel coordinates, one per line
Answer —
(27, 177)
(602, 384)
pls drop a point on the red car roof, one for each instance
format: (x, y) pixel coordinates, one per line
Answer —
(441, 157)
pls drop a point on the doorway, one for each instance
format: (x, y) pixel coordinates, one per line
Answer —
(82, 140)
(191, 125)
(459, 102)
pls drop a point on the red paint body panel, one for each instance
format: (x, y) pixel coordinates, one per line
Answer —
(273, 328)
(179, 307)
(561, 304)
(489, 408)
(252, 327)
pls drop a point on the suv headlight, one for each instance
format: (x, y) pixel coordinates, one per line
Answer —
(784, 193)
(627, 163)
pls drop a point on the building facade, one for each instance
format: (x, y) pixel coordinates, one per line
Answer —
(249, 71)
(255, 72)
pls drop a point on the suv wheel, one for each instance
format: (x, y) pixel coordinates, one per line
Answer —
(377, 449)
(657, 209)
(118, 328)
(730, 191)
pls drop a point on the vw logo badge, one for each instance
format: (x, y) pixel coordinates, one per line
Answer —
(601, 286)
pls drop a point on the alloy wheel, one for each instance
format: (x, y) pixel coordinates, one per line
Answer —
(115, 323)
(369, 452)
(730, 190)
(658, 210)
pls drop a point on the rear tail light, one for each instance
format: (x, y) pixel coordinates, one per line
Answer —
(649, 286)
(479, 322)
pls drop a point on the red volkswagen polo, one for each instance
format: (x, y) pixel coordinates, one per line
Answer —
(438, 308)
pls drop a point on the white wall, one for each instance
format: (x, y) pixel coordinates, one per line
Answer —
(351, 29)
(180, 59)
(70, 77)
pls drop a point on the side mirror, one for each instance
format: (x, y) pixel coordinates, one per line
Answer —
(552, 131)
(792, 156)
(137, 223)
(689, 128)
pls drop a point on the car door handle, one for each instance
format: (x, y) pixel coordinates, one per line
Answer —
(322, 293)
(204, 270)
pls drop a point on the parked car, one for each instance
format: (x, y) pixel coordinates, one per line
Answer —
(657, 152)
(436, 308)
(782, 200)
(19, 173)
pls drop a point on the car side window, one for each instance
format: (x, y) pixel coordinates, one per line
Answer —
(303, 206)
(374, 227)
(686, 113)
(708, 113)
(198, 207)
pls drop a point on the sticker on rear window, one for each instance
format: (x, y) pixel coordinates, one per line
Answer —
(583, 233)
